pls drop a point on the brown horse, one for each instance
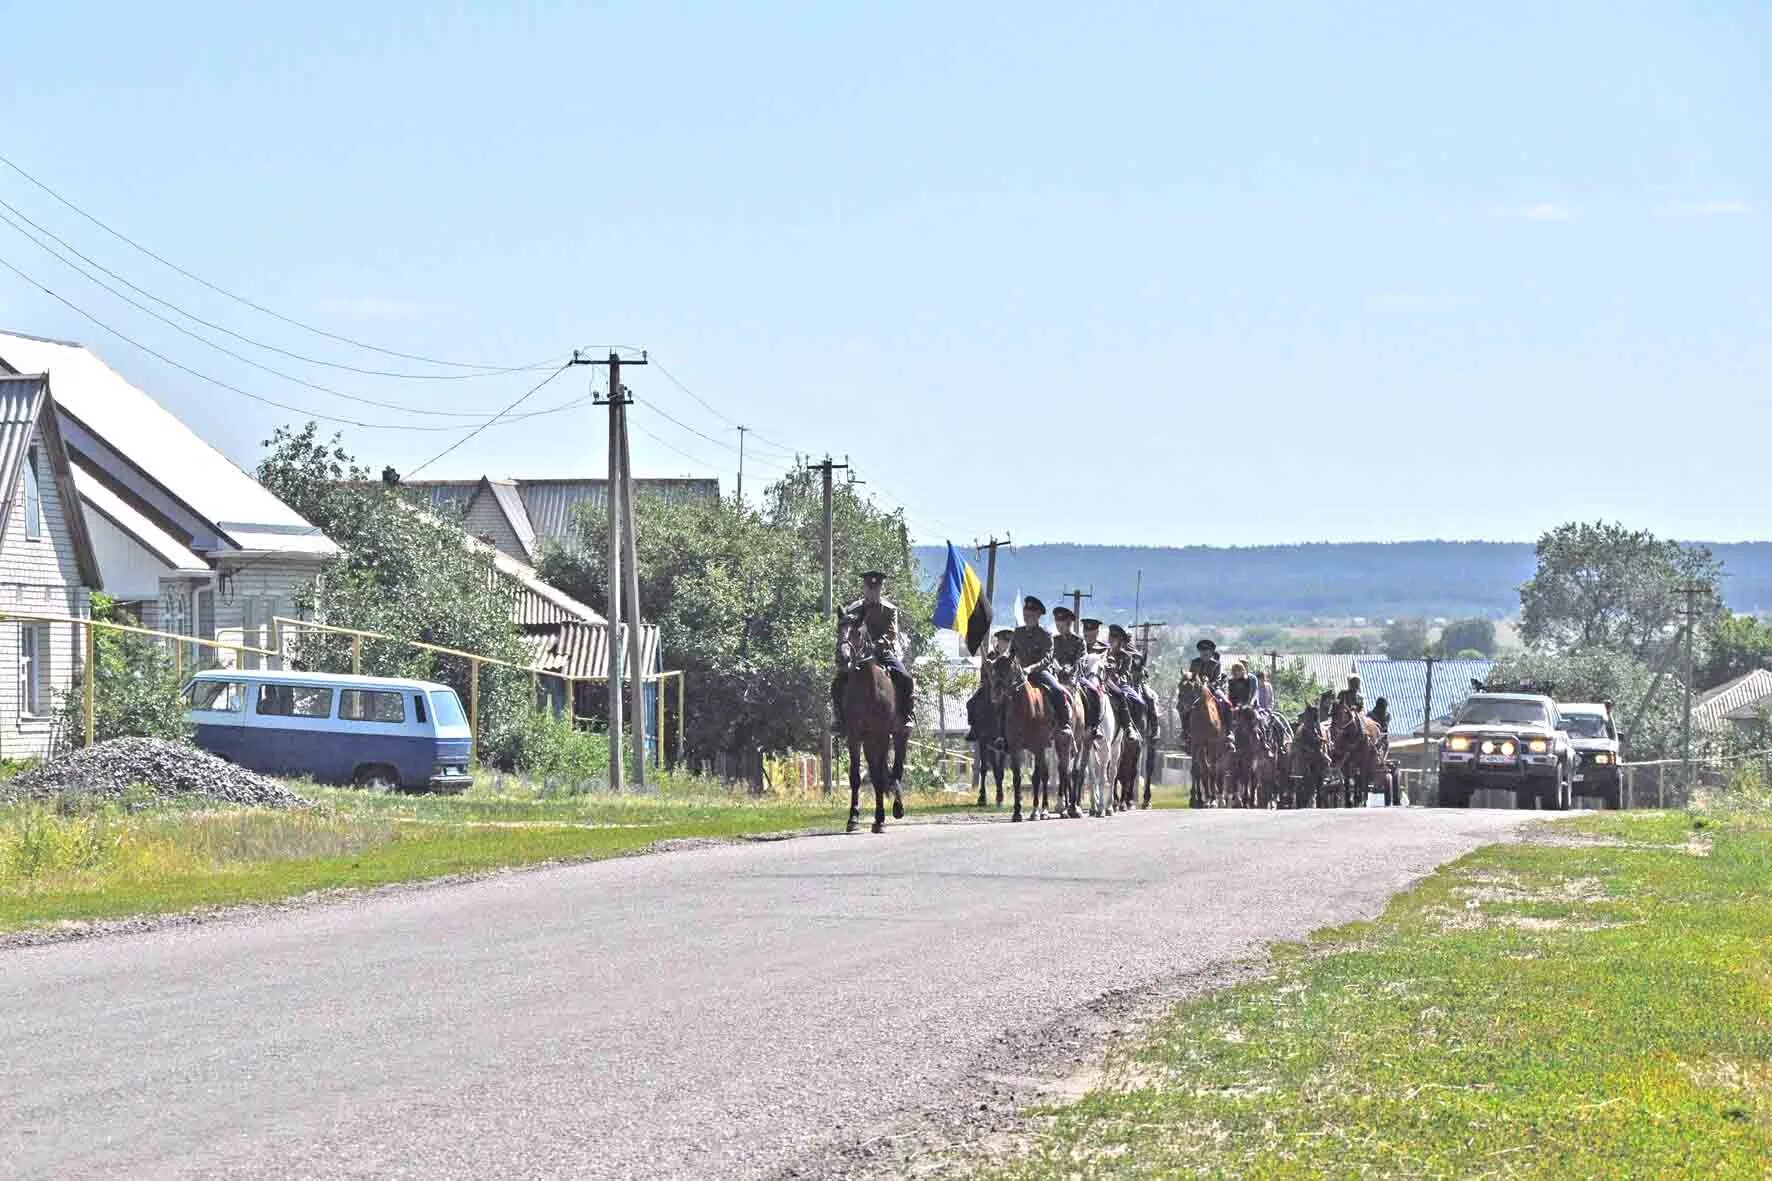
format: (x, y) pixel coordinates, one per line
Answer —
(1028, 726)
(1357, 748)
(1310, 759)
(870, 723)
(1206, 740)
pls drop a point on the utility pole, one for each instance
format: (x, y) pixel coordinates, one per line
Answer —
(830, 610)
(1144, 633)
(990, 590)
(741, 432)
(615, 487)
(1691, 591)
(1427, 715)
(631, 569)
(1077, 596)
(1137, 596)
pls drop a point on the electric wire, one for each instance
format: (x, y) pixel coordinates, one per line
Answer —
(257, 307)
(524, 397)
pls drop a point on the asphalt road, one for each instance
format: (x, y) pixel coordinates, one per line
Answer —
(702, 1013)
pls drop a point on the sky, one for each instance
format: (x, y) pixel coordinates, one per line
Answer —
(1122, 273)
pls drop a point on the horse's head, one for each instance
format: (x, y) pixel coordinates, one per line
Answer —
(1004, 675)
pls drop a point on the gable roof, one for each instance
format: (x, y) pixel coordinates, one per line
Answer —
(1739, 699)
(159, 446)
(97, 498)
(544, 512)
(27, 415)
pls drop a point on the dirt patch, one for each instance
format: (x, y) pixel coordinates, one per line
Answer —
(999, 1102)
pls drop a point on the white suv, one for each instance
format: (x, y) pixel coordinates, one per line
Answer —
(1513, 741)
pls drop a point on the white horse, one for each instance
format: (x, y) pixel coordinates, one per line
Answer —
(1102, 760)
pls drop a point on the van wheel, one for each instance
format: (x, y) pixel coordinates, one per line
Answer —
(377, 778)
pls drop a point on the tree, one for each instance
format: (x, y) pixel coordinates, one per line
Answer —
(1605, 586)
(1473, 635)
(137, 692)
(1733, 645)
(404, 572)
(1405, 639)
(736, 597)
(1347, 646)
(1295, 688)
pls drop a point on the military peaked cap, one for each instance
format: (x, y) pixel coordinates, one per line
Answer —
(1033, 602)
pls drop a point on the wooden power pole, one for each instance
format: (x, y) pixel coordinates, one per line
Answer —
(1691, 613)
(830, 610)
(741, 434)
(1077, 596)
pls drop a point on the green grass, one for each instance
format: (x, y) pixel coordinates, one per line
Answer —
(1531, 1010)
(114, 862)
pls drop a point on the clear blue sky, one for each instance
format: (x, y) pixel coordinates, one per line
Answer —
(1225, 273)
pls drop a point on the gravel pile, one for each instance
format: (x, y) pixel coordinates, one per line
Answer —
(171, 770)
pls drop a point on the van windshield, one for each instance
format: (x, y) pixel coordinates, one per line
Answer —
(1585, 725)
(448, 708)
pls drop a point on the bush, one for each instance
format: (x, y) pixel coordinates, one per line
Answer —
(136, 694)
(544, 746)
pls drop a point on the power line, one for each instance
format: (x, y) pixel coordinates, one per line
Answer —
(240, 299)
(524, 397)
(222, 328)
(709, 406)
(231, 388)
(225, 351)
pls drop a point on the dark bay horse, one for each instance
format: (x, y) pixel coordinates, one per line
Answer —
(1028, 726)
(1310, 759)
(870, 723)
(1206, 742)
(981, 717)
(1357, 747)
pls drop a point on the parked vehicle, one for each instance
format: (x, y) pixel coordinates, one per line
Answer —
(1513, 741)
(1598, 750)
(371, 731)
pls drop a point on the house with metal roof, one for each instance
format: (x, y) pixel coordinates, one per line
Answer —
(185, 538)
(523, 517)
(1743, 702)
(47, 567)
(1404, 686)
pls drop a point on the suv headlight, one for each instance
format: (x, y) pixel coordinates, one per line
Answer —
(1603, 758)
(1539, 746)
(1458, 743)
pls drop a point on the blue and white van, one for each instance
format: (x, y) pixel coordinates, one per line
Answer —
(370, 731)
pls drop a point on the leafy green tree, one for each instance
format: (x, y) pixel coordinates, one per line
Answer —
(1295, 688)
(1604, 586)
(404, 572)
(1733, 645)
(1473, 635)
(736, 597)
(1405, 639)
(1347, 646)
(136, 694)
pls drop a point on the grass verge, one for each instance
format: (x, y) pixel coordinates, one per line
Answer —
(1595, 1002)
(113, 863)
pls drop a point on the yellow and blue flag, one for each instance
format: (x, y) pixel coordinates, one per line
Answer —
(960, 604)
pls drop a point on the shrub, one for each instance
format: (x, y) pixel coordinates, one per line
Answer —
(544, 746)
(136, 694)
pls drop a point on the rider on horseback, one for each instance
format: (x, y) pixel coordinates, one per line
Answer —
(1032, 646)
(1068, 650)
(1241, 687)
(1351, 696)
(1128, 703)
(1090, 683)
(877, 617)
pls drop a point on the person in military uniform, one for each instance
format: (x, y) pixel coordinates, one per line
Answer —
(877, 617)
(1352, 697)
(999, 650)
(1068, 650)
(1091, 684)
(1032, 646)
(1205, 663)
(1118, 676)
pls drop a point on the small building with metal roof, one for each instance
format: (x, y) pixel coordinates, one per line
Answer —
(523, 517)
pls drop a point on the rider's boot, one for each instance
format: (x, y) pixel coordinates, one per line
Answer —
(1061, 708)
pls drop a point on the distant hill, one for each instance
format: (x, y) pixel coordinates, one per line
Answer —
(1296, 583)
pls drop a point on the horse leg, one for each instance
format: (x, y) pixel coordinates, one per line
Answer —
(980, 770)
(877, 769)
(899, 738)
(854, 784)
(1014, 758)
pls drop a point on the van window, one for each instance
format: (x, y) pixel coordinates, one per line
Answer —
(371, 705)
(418, 706)
(448, 708)
(216, 696)
(294, 701)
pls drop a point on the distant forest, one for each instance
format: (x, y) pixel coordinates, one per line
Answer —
(1294, 584)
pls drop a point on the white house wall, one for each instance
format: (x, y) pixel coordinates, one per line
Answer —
(131, 571)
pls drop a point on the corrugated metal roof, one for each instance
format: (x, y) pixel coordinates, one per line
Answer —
(452, 496)
(1739, 698)
(161, 446)
(1403, 684)
(511, 504)
(21, 403)
(536, 602)
(581, 649)
(124, 515)
(553, 505)
(1329, 671)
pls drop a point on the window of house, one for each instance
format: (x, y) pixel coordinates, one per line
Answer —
(371, 705)
(294, 701)
(33, 669)
(33, 498)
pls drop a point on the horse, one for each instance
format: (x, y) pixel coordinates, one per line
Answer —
(1357, 748)
(1206, 742)
(1152, 731)
(870, 723)
(1101, 756)
(1132, 743)
(981, 716)
(1309, 764)
(1028, 726)
(1255, 763)
(1070, 754)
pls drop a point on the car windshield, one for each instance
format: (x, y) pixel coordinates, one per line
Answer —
(1585, 725)
(1491, 711)
(447, 707)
